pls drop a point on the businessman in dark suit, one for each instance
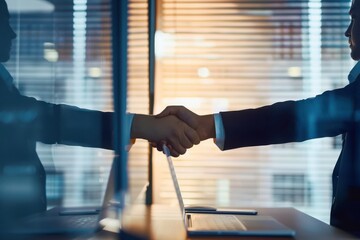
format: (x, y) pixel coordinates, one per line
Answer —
(25, 120)
(329, 114)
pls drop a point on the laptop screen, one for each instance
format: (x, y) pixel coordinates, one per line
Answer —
(174, 179)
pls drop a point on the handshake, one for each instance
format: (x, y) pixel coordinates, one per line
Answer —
(175, 126)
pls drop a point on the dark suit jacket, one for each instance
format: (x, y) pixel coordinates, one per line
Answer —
(23, 122)
(329, 114)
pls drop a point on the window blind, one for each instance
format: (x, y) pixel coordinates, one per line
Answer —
(220, 55)
(63, 55)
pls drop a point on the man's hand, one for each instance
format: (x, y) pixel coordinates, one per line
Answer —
(204, 125)
(170, 130)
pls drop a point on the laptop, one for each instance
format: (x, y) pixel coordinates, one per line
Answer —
(75, 220)
(219, 224)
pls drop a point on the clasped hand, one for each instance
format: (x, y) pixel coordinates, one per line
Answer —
(180, 129)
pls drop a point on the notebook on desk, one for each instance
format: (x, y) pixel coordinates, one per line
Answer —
(215, 224)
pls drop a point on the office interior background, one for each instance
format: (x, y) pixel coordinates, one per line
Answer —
(211, 56)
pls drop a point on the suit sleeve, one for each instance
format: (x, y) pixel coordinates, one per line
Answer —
(326, 115)
(82, 127)
(53, 123)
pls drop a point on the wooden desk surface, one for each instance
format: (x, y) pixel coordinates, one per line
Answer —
(162, 222)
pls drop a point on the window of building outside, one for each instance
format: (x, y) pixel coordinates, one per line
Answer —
(291, 189)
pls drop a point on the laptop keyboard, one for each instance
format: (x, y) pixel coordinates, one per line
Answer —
(216, 222)
(83, 221)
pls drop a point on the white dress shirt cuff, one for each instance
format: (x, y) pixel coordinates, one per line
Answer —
(129, 120)
(219, 130)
